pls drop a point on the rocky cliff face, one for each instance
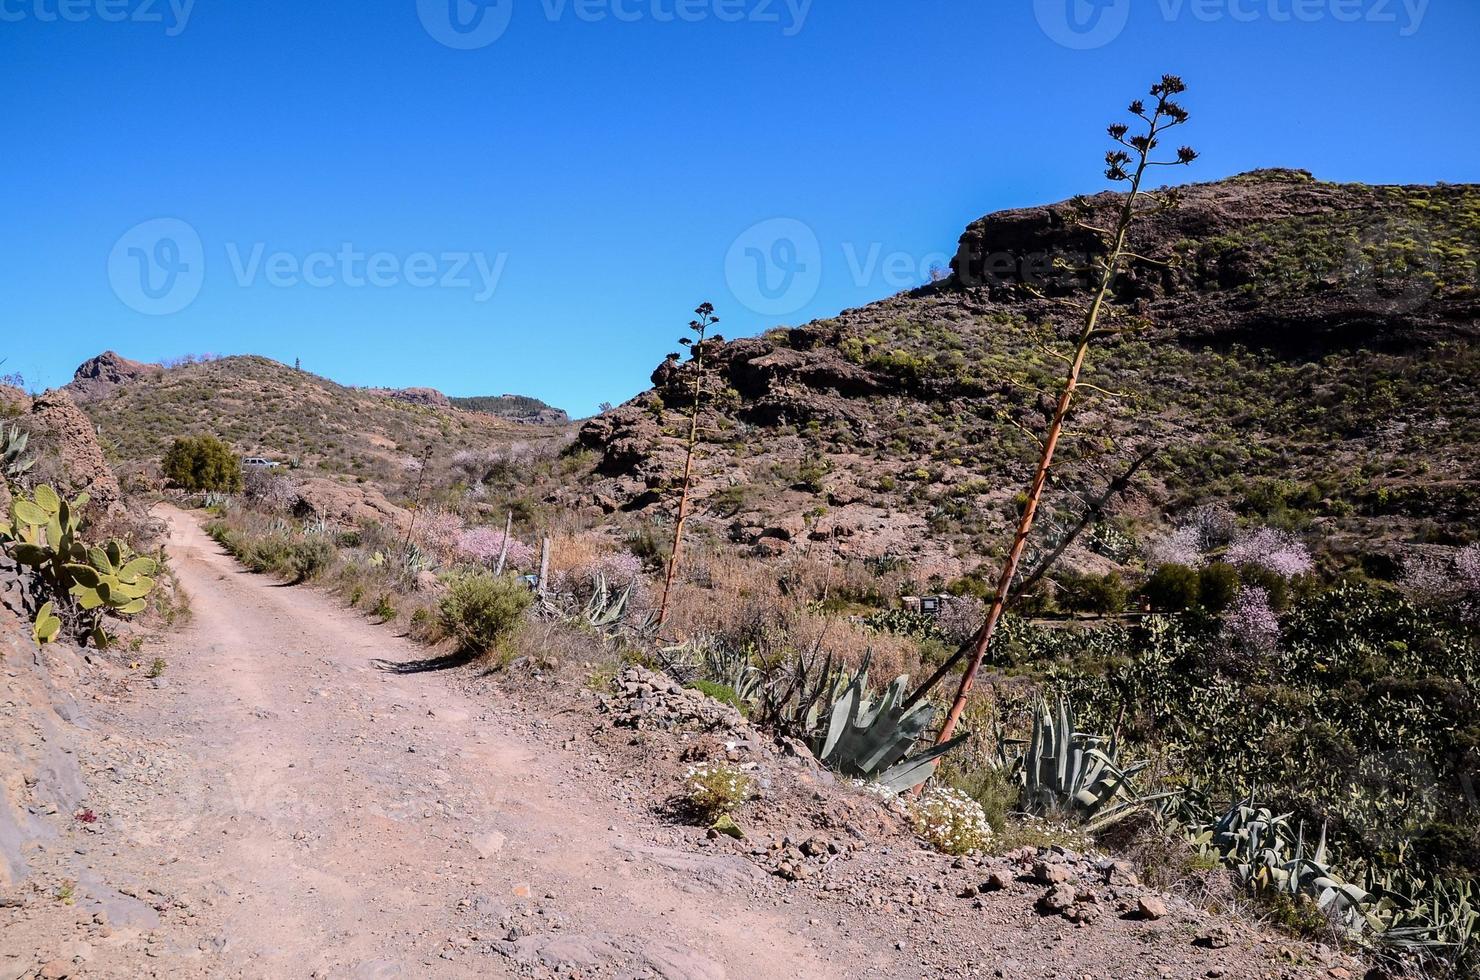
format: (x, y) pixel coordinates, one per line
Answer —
(415, 396)
(1277, 336)
(1268, 247)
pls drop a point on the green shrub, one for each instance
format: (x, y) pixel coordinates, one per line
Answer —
(385, 609)
(722, 693)
(271, 553)
(1217, 584)
(1173, 588)
(310, 558)
(713, 790)
(1092, 593)
(203, 463)
(481, 610)
(1271, 582)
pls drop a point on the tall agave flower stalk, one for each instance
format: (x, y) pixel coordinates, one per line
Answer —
(1128, 163)
(699, 327)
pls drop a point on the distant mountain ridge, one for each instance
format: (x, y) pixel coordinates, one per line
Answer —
(519, 408)
(264, 408)
(97, 376)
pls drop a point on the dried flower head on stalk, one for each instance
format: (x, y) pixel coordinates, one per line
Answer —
(1129, 163)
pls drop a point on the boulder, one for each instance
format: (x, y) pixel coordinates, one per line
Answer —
(772, 547)
(343, 504)
(1052, 873)
(1151, 908)
(1057, 900)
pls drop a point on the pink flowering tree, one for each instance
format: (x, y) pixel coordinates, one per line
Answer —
(484, 544)
(1251, 624)
(1275, 551)
(1436, 576)
(1180, 547)
(437, 530)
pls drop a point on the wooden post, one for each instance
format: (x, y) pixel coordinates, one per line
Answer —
(503, 551)
(544, 566)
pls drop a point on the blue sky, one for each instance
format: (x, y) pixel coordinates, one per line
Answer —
(537, 204)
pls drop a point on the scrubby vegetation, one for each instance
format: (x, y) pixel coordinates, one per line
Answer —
(264, 408)
(713, 790)
(480, 610)
(196, 463)
(508, 406)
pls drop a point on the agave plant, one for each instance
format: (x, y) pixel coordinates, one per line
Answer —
(607, 606)
(1425, 916)
(1066, 770)
(1267, 853)
(792, 699)
(12, 448)
(872, 740)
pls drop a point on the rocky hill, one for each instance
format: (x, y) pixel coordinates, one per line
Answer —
(264, 408)
(98, 376)
(519, 408)
(1303, 351)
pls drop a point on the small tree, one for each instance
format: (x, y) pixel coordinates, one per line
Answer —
(1173, 588)
(699, 327)
(203, 463)
(1135, 153)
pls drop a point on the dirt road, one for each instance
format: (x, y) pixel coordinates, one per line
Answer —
(296, 810)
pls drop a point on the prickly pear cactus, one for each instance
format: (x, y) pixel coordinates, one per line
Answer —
(82, 583)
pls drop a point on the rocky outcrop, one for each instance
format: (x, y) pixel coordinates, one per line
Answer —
(1246, 259)
(422, 396)
(348, 506)
(649, 700)
(62, 431)
(13, 401)
(97, 377)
